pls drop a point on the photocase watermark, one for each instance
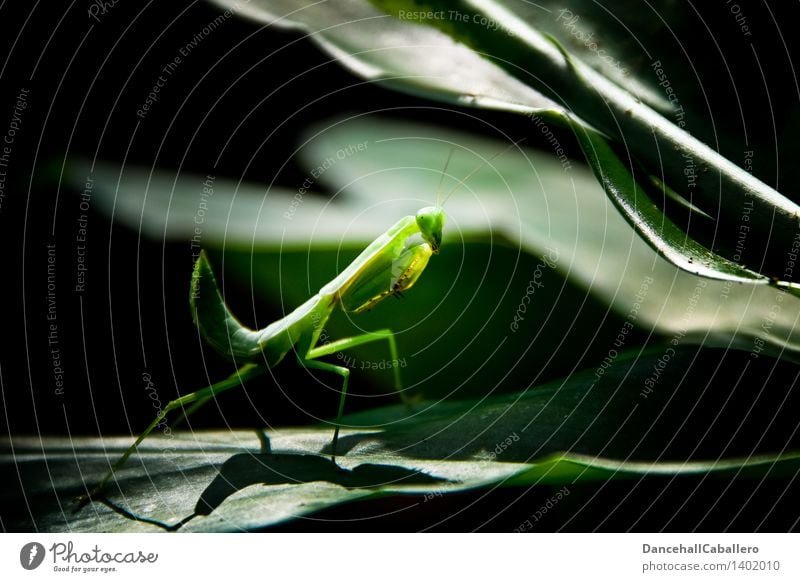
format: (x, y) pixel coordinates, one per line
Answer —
(548, 261)
(551, 138)
(340, 155)
(152, 394)
(155, 90)
(627, 327)
(350, 361)
(548, 505)
(767, 323)
(741, 20)
(200, 215)
(748, 161)
(544, 128)
(31, 555)
(670, 352)
(98, 8)
(504, 445)
(690, 168)
(454, 16)
(744, 226)
(672, 96)
(570, 21)
(68, 559)
(760, 341)
(744, 229)
(438, 492)
(53, 341)
(82, 235)
(317, 322)
(10, 138)
(791, 258)
(170, 68)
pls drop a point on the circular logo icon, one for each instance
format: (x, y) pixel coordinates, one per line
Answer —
(31, 555)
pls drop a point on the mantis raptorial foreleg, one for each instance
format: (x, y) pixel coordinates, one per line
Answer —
(345, 374)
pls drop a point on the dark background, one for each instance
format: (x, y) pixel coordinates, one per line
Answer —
(86, 81)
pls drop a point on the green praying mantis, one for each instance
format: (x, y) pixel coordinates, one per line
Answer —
(389, 266)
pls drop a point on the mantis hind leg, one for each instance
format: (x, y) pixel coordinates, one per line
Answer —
(345, 374)
(344, 344)
(187, 412)
(195, 398)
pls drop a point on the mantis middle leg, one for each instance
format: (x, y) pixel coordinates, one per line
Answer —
(344, 344)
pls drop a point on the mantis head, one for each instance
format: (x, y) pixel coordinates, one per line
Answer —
(430, 221)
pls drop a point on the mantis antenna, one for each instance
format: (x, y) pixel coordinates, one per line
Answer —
(441, 178)
(478, 167)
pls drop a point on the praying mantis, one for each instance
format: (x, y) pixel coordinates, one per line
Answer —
(389, 266)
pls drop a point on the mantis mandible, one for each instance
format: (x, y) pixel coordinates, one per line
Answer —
(390, 265)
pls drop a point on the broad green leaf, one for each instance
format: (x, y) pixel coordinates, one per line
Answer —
(627, 194)
(376, 46)
(603, 38)
(584, 428)
(509, 34)
(222, 482)
(163, 204)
